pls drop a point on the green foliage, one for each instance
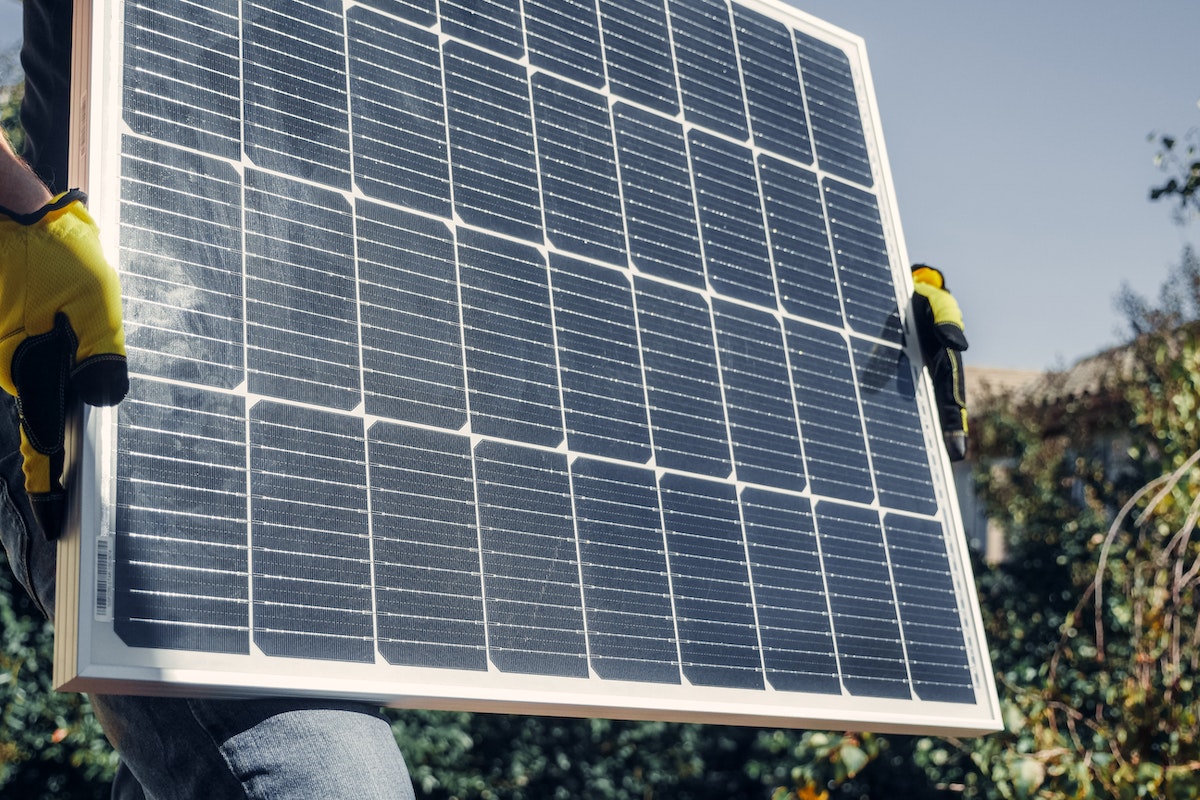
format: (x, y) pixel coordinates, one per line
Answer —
(1177, 304)
(491, 756)
(51, 747)
(10, 114)
(1100, 701)
(1181, 160)
(12, 90)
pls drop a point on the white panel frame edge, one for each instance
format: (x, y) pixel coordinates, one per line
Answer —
(89, 657)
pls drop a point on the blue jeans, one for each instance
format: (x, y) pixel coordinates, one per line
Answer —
(206, 749)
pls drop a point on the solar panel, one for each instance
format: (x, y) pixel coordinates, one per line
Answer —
(535, 356)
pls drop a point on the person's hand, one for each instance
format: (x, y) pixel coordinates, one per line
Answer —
(61, 337)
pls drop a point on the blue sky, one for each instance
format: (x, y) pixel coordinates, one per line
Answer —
(1017, 135)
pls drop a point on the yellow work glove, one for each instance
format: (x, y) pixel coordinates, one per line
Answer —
(61, 337)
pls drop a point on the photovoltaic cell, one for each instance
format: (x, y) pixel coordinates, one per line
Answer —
(804, 269)
(530, 562)
(790, 592)
(714, 610)
(709, 79)
(564, 38)
(735, 244)
(687, 416)
(301, 314)
(772, 81)
(429, 592)
(579, 170)
(604, 398)
(863, 264)
(492, 24)
(933, 638)
(637, 51)
(491, 142)
(309, 534)
(630, 621)
(509, 341)
(519, 355)
(758, 397)
(398, 112)
(294, 89)
(830, 419)
(893, 427)
(862, 600)
(409, 318)
(183, 68)
(181, 254)
(836, 119)
(182, 564)
(660, 209)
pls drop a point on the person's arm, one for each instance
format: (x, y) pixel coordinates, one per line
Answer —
(21, 191)
(61, 333)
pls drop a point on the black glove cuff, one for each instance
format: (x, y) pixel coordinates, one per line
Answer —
(61, 202)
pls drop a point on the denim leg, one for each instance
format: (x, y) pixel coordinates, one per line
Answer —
(285, 749)
(32, 557)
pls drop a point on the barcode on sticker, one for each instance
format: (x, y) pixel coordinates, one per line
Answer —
(104, 569)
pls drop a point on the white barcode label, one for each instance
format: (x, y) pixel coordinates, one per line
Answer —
(104, 570)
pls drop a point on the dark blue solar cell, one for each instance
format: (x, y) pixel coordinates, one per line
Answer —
(410, 326)
(181, 75)
(660, 212)
(789, 592)
(708, 66)
(422, 12)
(294, 89)
(494, 24)
(837, 126)
(894, 431)
(511, 375)
(564, 38)
(929, 616)
(398, 112)
(863, 601)
(772, 79)
(830, 422)
(630, 622)
(800, 242)
(687, 416)
(491, 143)
(758, 397)
(530, 561)
(428, 586)
(181, 562)
(864, 269)
(710, 579)
(579, 170)
(310, 538)
(181, 264)
(603, 393)
(301, 308)
(731, 219)
(637, 50)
